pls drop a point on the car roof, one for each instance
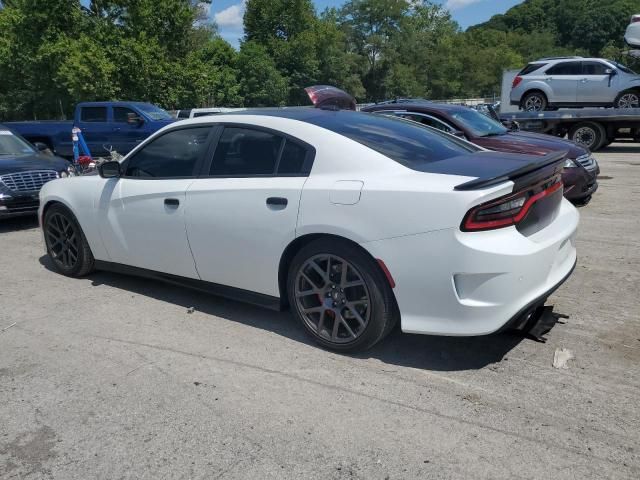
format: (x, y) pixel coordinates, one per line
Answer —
(106, 103)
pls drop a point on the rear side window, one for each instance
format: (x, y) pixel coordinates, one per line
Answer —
(428, 121)
(594, 68)
(293, 159)
(174, 154)
(243, 151)
(408, 143)
(93, 114)
(532, 67)
(566, 68)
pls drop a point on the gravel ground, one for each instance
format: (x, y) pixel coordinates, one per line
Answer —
(112, 377)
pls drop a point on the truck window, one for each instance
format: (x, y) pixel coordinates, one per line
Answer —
(93, 114)
(121, 114)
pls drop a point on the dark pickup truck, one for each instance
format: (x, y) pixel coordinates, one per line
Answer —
(120, 125)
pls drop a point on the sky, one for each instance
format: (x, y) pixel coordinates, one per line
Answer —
(228, 13)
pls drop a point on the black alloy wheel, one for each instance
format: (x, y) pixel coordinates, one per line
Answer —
(340, 295)
(66, 244)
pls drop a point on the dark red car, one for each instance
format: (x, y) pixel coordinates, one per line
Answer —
(581, 168)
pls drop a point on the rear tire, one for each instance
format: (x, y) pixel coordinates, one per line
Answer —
(67, 246)
(340, 295)
(534, 102)
(590, 135)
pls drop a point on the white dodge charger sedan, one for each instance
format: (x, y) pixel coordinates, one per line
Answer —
(354, 221)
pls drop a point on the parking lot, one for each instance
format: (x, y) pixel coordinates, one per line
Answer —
(119, 377)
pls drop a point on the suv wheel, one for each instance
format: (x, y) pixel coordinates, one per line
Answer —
(534, 102)
(628, 99)
(341, 296)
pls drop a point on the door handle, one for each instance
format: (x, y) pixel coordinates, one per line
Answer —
(171, 202)
(277, 202)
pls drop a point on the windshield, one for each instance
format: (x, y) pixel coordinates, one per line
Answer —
(156, 113)
(479, 124)
(624, 68)
(404, 141)
(12, 145)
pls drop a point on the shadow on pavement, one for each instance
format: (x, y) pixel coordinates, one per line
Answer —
(14, 224)
(406, 350)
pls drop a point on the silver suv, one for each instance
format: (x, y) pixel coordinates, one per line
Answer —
(575, 82)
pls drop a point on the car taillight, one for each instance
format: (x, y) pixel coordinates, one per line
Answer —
(516, 81)
(635, 19)
(508, 210)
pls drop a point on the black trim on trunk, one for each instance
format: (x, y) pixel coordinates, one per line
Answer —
(540, 163)
(238, 294)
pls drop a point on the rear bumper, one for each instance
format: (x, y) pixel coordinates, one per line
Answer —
(455, 283)
(17, 206)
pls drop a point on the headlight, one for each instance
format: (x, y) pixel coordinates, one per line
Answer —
(568, 163)
(64, 174)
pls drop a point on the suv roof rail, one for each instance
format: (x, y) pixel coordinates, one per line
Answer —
(575, 57)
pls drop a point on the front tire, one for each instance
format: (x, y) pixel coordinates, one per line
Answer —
(66, 244)
(628, 99)
(340, 295)
(534, 102)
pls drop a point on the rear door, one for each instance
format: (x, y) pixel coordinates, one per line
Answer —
(563, 79)
(243, 213)
(96, 128)
(594, 86)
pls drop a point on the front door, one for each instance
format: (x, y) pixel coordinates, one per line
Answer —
(595, 84)
(126, 136)
(241, 218)
(143, 213)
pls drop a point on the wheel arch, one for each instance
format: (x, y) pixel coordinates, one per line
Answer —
(300, 242)
(534, 89)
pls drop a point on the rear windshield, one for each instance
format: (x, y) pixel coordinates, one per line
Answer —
(532, 67)
(408, 143)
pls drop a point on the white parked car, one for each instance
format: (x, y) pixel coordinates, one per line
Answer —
(203, 112)
(632, 36)
(353, 220)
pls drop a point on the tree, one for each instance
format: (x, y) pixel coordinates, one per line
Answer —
(261, 84)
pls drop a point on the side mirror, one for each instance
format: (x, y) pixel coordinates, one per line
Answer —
(110, 170)
(512, 125)
(610, 71)
(42, 147)
(133, 119)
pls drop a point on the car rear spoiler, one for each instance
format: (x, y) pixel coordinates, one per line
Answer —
(542, 162)
(327, 97)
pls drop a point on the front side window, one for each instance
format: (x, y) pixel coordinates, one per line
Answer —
(566, 68)
(174, 154)
(121, 114)
(93, 114)
(594, 68)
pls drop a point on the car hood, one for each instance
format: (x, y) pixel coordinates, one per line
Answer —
(530, 143)
(31, 161)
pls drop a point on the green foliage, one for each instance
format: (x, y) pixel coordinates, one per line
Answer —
(54, 53)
